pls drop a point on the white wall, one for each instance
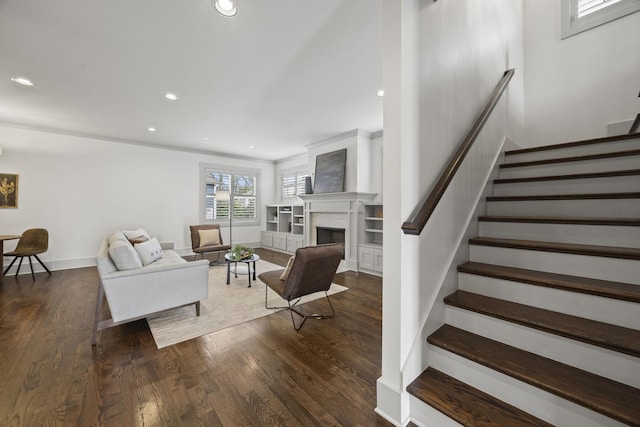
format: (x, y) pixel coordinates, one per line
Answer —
(441, 62)
(576, 86)
(81, 189)
(360, 169)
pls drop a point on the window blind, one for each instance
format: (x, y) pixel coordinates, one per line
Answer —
(586, 7)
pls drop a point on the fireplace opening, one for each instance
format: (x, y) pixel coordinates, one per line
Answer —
(329, 235)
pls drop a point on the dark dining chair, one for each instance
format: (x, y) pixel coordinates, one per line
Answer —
(33, 242)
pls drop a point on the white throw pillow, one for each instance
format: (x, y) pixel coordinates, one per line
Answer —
(135, 234)
(148, 251)
(124, 256)
(287, 269)
(209, 237)
(117, 235)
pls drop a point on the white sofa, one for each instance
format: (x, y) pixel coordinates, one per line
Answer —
(136, 290)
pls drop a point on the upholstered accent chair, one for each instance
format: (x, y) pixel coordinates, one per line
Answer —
(312, 270)
(33, 242)
(203, 240)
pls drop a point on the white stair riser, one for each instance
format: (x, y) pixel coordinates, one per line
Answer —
(600, 361)
(424, 415)
(539, 403)
(608, 147)
(605, 235)
(612, 208)
(583, 166)
(614, 269)
(608, 310)
(617, 184)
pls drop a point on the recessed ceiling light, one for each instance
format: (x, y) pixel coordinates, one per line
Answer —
(205, 138)
(252, 147)
(225, 7)
(380, 93)
(151, 129)
(23, 81)
(171, 96)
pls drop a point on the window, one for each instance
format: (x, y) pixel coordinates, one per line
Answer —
(293, 184)
(228, 192)
(581, 15)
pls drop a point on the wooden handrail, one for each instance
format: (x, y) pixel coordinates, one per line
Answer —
(422, 215)
(636, 124)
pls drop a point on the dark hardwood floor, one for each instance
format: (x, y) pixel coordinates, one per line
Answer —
(258, 373)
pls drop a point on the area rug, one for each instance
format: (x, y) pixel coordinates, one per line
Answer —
(227, 305)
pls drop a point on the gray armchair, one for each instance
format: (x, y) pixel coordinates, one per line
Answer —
(313, 270)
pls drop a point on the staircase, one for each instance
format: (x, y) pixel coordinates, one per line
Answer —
(544, 328)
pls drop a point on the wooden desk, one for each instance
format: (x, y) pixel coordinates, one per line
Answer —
(4, 237)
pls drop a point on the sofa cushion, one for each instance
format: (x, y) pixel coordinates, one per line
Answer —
(209, 237)
(124, 256)
(116, 235)
(103, 260)
(148, 251)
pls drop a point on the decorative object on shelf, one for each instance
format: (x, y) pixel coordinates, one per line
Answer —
(8, 190)
(329, 176)
(240, 252)
(307, 185)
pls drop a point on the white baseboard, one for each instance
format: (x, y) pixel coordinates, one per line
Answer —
(53, 265)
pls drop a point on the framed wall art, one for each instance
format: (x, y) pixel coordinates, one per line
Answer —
(8, 190)
(330, 168)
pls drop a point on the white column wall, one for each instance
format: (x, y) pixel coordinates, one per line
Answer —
(81, 189)
(576, 86)
(400, 165)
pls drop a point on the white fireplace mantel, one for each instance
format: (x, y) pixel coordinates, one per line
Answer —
(341, 210)
(345, 195)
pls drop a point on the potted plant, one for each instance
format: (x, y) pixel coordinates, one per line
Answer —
(239, 252)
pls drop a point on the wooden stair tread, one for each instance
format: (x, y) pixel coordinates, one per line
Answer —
(572, 144)
(602, 288)
(468, 405)
(588, 175)
(581, 158)
(611, 398)
(612, 337)
(591, 196)
(633, 222)
(568, 248)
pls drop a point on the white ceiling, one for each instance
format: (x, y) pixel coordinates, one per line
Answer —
(280, 75)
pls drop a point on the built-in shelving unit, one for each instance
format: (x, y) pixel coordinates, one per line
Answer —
(373, 224)
(285, 227)
(370, 247)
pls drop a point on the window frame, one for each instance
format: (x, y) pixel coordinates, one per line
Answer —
(205, 170)
(572, 24)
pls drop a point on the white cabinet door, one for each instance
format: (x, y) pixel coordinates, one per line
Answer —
(365, 257)
(370, 258)
(280, 242)
(293, 243)
(377, 260)
(266, 239)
